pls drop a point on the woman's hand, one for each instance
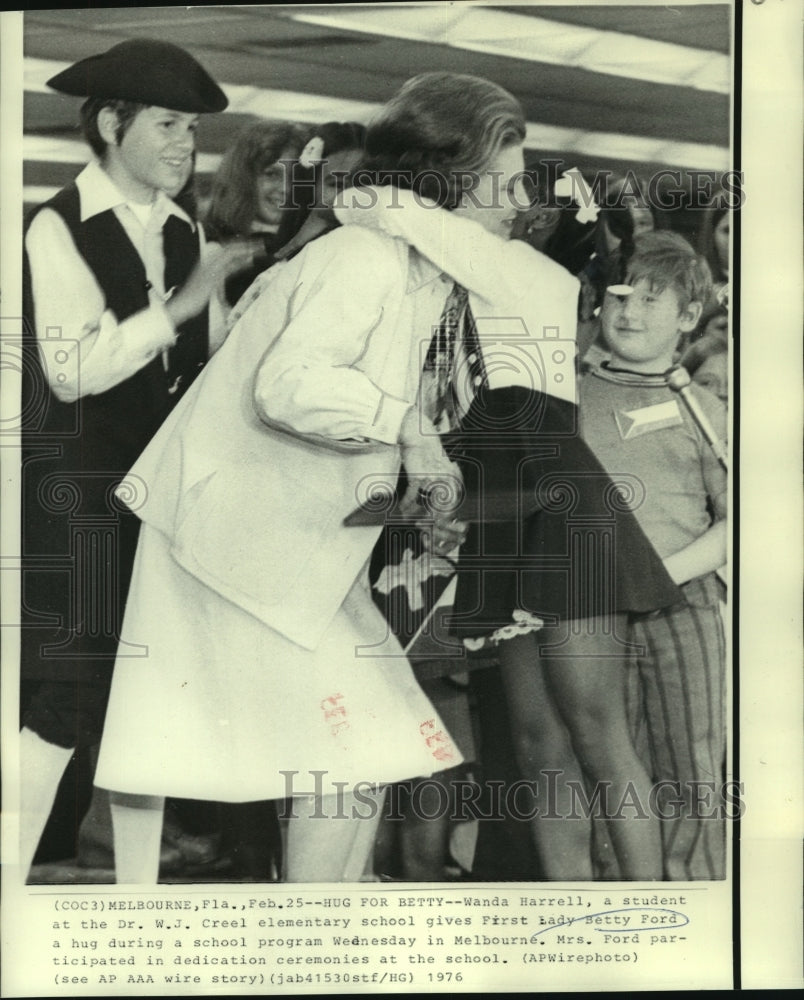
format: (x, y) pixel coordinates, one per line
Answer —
(435, 485)
(442, 534)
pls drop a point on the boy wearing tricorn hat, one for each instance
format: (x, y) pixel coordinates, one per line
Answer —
(118, 283)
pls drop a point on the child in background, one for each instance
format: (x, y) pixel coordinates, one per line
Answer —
(625, 213)
(324, 168)
(251, 194)
(637, 426)
(706, 357)
(270, 184)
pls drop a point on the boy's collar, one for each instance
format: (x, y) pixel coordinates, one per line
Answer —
(624, 376)
(99, 194)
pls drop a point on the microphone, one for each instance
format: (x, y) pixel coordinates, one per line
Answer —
(678, 379)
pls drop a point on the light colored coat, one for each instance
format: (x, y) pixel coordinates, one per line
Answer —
(256, 513)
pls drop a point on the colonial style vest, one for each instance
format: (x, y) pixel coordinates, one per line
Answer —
(78, 541)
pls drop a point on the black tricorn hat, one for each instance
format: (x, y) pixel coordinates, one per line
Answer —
(144, 70)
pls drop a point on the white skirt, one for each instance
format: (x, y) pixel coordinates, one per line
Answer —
(208, 702)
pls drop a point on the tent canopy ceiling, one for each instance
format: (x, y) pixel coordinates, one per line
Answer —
(602, 85)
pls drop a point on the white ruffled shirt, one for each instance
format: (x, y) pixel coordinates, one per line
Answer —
(84, 349)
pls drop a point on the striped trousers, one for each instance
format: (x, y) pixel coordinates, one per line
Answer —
(681, 665)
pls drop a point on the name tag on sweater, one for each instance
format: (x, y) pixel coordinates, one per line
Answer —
(633, 423)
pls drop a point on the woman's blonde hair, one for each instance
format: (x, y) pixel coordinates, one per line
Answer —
(439, 133)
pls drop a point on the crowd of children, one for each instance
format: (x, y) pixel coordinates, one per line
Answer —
(623, 690)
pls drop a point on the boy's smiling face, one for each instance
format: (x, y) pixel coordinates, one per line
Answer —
(642, 328)
(154, 154)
